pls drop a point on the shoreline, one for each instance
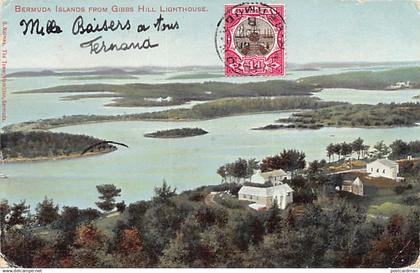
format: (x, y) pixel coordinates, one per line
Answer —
(62, 157)
(150, 120)
(198, 120)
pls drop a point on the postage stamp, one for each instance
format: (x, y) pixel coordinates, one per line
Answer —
(254, 40)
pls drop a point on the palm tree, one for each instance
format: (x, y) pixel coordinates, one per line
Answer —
(330, 151)
(337, 149)
(222, 172)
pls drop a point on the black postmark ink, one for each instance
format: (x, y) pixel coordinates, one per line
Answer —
(106, 144)
(220, 29)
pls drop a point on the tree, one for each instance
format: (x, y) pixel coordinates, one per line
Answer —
(314, 167)
(4, 211)
(121, 206)
(107, 192)
(337, 150)
(357, 146)
(46, 212)
(88, 236)
(240, 169)
(43, 259)
(21, 246)
(187, 249)
(19, 214)
(330, 151)
(130, 242)
(381, 149)
(69, 218)
(163, 193)
(288, 160)
(346, 149)
(399, 149)
(222, 172)
(273, 221)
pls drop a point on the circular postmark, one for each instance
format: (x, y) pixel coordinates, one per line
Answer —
(252, 36)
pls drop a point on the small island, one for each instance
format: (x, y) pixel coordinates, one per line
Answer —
(177, 133)
(39, 146)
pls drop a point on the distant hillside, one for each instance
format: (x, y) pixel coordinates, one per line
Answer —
(320, 65)
(366, 79)
(95, 72)
(139, 94)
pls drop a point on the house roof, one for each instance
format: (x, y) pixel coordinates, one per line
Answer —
(253, 191)
(282, 189)
(258, 178)
(355, 181)
(386, 162)
(274, 173)
(358, 181)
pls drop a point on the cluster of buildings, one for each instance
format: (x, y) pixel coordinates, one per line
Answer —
(160, 99)
(267, 188)
(263, 196)
(399, 85)
(379, 169)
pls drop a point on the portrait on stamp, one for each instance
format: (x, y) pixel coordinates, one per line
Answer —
(254, 40)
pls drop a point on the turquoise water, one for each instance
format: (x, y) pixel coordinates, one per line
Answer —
(369, 96)
(184, 163)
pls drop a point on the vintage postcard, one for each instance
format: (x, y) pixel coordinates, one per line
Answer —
(210, 134)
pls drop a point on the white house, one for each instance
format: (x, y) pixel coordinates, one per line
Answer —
(399, 85)
(276, 177)
(354, 186)
(265, 197)
(160, 99)
(383, 168)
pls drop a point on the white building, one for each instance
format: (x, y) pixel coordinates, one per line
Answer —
(399, 85)
(276, 177)
(160, 99)
(265, 197)
(354, 186)
(383, 168)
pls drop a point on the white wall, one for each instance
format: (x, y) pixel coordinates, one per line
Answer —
(376, 169)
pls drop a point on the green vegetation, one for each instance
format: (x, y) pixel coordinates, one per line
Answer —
(18, 146)
(372, 80)
(323, 114)
(100, 77)
(287, 160)
(107, 192)
(177, 133)
(131, 95)
(359, 115)
(208, 110)
(177, 230)
(198, 75)
(346, 149)
(241, 169)
(401, 149)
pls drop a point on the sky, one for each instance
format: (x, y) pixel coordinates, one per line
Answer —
(316, 31)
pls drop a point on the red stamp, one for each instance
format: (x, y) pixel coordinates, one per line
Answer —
(254, 40)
